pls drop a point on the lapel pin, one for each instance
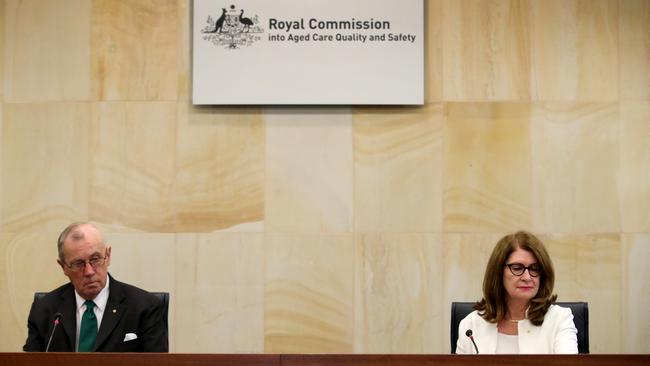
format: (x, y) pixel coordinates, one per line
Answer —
(114, 311)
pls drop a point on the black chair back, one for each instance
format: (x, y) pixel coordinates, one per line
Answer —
(580, 310)
(163, 296)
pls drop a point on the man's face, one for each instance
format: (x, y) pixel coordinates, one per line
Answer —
(83, 247)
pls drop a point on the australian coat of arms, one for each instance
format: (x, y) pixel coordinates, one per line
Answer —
(232, 29)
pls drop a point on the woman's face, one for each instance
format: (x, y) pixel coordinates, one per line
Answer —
(523, 287)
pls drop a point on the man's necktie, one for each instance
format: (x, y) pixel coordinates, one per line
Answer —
(88, 331)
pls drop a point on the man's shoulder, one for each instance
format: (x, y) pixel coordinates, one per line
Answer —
(55, 294)
(50, 302)
(131, 292)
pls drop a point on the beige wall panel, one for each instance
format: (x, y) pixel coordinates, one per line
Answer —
(44, 162)
(220, 296)
(636, 293)
(399, 277)
(27, 264)
(308, 170)
(136, 53)
(574, 50)
(486, 50)
(575, 162)
(487, 185)
(634, 180)
(309, 294)
(464, 259)
(132, 166)
(433, 51)
(2, 170)
(47, 50)
(2, 50)
(143, 260)
(634, 49)
(588, 268)
(398, 169)
(184, 49)
(219, 169)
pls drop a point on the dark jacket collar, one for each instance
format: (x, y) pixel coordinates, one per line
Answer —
(112, 312)
(68, 309)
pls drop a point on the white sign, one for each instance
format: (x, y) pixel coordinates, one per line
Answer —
(308, 52)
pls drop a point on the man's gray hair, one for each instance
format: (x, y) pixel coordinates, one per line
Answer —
(72, 231)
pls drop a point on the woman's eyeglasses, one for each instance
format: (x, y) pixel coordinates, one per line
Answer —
(518, 269)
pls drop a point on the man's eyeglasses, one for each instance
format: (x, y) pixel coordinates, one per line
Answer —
(94, 262)
(518, 269)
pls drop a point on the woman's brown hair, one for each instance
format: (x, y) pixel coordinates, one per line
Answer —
(493, 306)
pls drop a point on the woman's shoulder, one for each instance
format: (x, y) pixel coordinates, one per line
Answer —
(558, 312)
(472, 317)
(558, 309)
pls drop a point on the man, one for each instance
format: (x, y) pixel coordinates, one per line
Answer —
(94, 312)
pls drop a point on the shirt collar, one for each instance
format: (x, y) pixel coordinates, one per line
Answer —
(100, 300)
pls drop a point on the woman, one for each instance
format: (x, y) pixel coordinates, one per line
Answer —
(516, 314)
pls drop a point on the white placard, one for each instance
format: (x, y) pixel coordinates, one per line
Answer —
(308, 52)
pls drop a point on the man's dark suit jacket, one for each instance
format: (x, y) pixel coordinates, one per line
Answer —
(128, 310)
